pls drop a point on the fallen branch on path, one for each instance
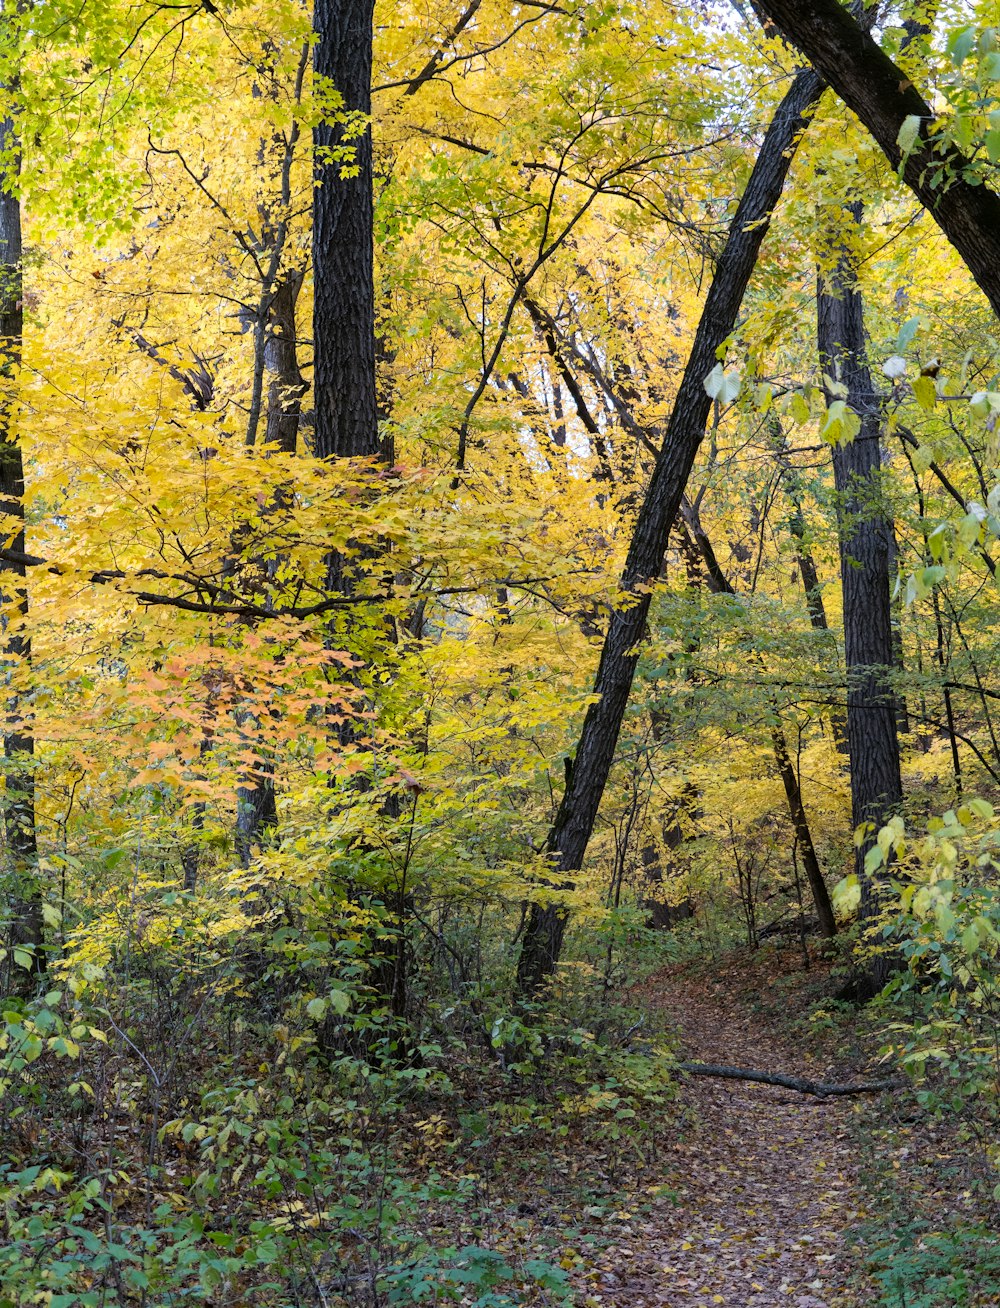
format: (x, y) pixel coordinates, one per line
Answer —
(818, 1088)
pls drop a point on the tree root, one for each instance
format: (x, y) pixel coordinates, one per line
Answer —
(801, 1084)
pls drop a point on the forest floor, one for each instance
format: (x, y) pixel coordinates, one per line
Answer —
(767, 1179)
(732, 1194)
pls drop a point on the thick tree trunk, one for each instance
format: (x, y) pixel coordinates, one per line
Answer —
(345, 383)
(26, 928)
(865, 551)
(568, 839)
(344, 294)
(884, 98)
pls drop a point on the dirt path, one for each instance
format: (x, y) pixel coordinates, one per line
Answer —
(767, 1179)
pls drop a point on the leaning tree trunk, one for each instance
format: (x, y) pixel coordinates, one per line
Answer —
(344, 288)
(865, 553)
(574, 823)
(888, 103)
(26, 928)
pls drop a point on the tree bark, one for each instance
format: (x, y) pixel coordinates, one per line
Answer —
(574, 823)
(865, 551)
(256, 814)
(27, 925)
(884, 97)
(285, 386)
(343, 216)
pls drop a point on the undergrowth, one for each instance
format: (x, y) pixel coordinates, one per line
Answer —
(261, 1130)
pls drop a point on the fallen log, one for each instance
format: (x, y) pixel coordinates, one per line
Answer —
(820, 1089)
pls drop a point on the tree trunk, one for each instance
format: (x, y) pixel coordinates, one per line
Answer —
(884, 98)
(898, 609)
(574, 823)
(345, 384)
(796, 809)
(343, 217)
(27, 924)
(865, 551)
(286, 386)
(256, 813)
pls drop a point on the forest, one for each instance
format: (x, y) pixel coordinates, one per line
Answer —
(500, 510)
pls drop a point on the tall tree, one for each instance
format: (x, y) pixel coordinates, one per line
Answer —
(19, 745)
(344, 288)
(567, 842)
(866, 550)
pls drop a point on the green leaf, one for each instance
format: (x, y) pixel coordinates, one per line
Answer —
(909, 134)
(937, 541)
(923, 457)
(874, 859)
(907, 332)
(969, 529)
(960, 44)
(925, 392)
(800, 409)
(962, 130)
(970, 938)
(340, 1001)
(847, 894)
(932, 577)
(316, 1008)
(945, 918)
(842, 424)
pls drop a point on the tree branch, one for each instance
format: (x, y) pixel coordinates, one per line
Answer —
(885, 99)
(820, 1089)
